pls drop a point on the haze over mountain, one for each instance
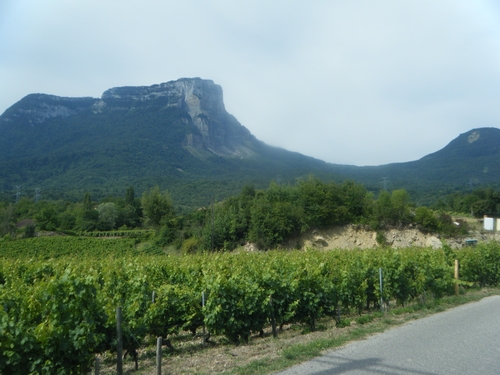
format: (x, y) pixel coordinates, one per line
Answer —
(179, 135)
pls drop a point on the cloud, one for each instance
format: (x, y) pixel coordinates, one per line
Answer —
(357, 82)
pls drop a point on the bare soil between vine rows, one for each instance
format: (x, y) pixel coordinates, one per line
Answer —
(220, 356)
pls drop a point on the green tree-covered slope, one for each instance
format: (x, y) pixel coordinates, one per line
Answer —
(179, 136)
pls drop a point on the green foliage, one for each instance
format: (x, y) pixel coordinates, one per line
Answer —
(273, 217)
(55, 329)
(381, 239)
(425, 218)
(55, 247)
(191, 245)
(47, 218)
(363, 319)
(108, 214)
(87, 202)
(268, 218)
(157, 206)
(130, 196)
(401, 206)
(392, 209)
(7, 220)
(29, 231)
(479, 202)
(480, 264)
(57, 310)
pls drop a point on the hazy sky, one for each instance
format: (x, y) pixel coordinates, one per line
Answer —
(350, 82)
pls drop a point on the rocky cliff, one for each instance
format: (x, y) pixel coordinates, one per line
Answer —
(350, 237)
(219, 132)
(200, 100)
(176, 134)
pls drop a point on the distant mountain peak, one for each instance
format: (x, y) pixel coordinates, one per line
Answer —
(179, 134)
(37, 108)
(201, 100)
(219, 132)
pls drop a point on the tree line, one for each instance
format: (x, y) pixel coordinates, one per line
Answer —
(267, 218)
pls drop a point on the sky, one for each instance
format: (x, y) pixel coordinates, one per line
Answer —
(356, 82)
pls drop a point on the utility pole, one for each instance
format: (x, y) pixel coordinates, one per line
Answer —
(212, 223)
(18, 192)
(384, 182)
(37, 194)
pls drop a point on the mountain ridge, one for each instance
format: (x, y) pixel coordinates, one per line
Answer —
(179, 135)
(173, 134)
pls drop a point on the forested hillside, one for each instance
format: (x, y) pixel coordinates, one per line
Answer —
(178, 135)
(469, 161)
(267, 218)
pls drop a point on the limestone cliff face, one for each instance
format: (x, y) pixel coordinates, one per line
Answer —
(219, 132)
(200, 100)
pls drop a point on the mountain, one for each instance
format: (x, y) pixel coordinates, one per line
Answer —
(178, 135)
(470, 160)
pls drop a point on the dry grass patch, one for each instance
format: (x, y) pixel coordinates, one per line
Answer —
(267, 354)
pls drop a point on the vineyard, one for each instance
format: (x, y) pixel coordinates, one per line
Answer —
(58, 296)
(81, 247)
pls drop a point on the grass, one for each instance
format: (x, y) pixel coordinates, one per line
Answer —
(268, 355)
(367, 325)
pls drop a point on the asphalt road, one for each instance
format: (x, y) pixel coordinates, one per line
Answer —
(464, 340)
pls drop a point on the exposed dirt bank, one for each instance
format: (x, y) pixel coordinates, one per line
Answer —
(359, 237)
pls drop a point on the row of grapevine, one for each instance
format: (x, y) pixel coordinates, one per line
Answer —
(115, 233)
(56, 314)
(55, 247)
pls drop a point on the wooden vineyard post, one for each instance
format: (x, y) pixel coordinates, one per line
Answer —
(203, 307)
(381, 290)
(119, 342)
(456, 277)
(159, 342)
(273, 320)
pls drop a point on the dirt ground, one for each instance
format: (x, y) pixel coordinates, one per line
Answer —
(219, 356)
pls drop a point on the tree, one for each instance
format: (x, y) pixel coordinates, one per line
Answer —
(107, 215)
(426, 219)
(392, 209)
(67, 220)
(157, 207)
(274, 217)
(131, 212)
(47, 218)
(129, 196)
(87, 218)
(401, 206)
(7, 220)
(382, 210)
(25, 208)
(87, 202)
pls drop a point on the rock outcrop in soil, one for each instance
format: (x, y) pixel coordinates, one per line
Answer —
(360, 237)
